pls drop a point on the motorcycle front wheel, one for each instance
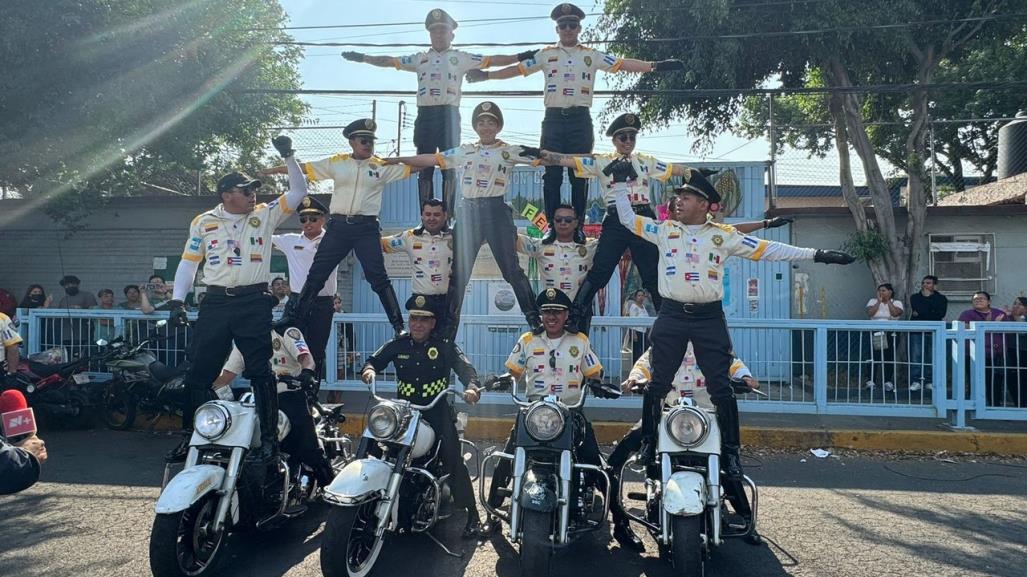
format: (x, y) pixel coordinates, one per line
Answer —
(536, 543)
(349, 547)
(119, 406)
(184, 544)
(686, 549)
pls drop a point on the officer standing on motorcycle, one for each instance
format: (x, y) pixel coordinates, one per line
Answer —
(423, 363)
(553, 363)
(291, 358)
(693, 251)
(234, 240)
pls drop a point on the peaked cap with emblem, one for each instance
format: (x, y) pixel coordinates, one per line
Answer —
(439, 17)
(362, 127)
(553, 299)
(567, 11)
(417, 306)
(233, 179)
(311, 205)
(487, 108)
(624, 123)
(697, 183)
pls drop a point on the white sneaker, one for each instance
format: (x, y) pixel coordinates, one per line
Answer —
(870, 385)
(916, 386)
(888, 387)
(930, 386)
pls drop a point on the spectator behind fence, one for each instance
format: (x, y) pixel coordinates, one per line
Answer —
(7, 303)
(883, 308)
(1016, 354)
(10, 340)
(35, 298)
(280, 290)
(994, 346)
(926, 305)
(74, 332)
(104, 327)
(158, 295)
(639, 337)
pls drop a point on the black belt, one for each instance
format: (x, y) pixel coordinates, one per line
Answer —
(237, 291)
(569, 111)
(643, 209)
(354, 218)
(319, 298)
(691, 308)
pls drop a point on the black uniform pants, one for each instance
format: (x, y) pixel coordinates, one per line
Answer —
(437, 128)
(222, 319)
(613, 241)
(318, 329)
(301, 442)
(443, 420)
(438, 305)
(486, 220)
(567, 131)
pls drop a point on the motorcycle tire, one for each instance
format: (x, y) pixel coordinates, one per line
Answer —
(175, 536)
(84, 411)
(119, 407)
(536, 543)
(349, 547)
(687, 546)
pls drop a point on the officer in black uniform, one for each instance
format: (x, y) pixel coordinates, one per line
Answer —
(423, 365)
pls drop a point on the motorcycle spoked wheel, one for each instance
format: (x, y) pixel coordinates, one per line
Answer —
(184, 544)
(536, 546)
(687, 546)
(349, 547)
(119, 406)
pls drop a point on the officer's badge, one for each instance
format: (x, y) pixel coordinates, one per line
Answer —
(255, 222)
(419, 301)
(582, 251)
(718, 240)
(453, 60)
(566, 8)
(294, 333)
(276, 344)
(486, 106)
(551, 293)
(506, 155)
(369, 124)
(436, 14)
(588, 61)
(574, 352)
(306, 202)
(433, 353)
(630, 119)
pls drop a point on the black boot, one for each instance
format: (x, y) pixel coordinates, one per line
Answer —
(652, 409)
(265, 396)
(425, 185)
(730, 437)
(534, 322)
(583, 299)
(296, 311)
(473, 527)
(323, 472)
(391, 305)
(179, 453)
(627, 538)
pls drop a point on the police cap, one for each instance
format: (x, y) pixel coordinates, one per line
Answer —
(567, 11)
(439, 17)
(487, 109)
(696, 183)
(624, 123)
(417, 306)
(362, 127)
(553, 299)
(233, 179)
(311, 205)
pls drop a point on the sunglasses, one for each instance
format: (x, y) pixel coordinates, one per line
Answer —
(552, 359)
(306, 219)
(626, 137)
(565, 219)
(568, 25)
(364, 141)
(246, 191)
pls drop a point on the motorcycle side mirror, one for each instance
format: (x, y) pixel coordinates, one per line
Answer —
(101, 343)
(497, 382)
(162, 323)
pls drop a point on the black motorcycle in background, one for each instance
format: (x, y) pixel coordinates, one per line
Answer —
(59, 390)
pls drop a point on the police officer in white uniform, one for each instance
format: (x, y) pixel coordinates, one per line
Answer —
(570, 71)
(299, 249)
(483, 214)
(430, 249)
(440, 73)
(693, 250)
(234, 242)
(359, 179)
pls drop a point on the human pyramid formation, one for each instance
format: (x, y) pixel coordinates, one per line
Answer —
(680, 260)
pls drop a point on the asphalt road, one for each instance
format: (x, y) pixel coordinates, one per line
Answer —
(852, 515)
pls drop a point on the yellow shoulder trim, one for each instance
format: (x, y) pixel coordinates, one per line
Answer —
(339, 157)
(191, 257)
(724, 227)
(526, 336)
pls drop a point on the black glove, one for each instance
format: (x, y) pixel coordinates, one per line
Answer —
(621, 170)
(531, 152)
(778, 221)
(477, 75)
(668, 65)
(283, 144)
(833, 257)
(526, 55)
(308, 379)
(354, 56)
(178, 316)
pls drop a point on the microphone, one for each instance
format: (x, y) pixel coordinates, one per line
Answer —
(16, 418)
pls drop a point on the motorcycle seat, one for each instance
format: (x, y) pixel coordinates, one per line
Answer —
(164, 373)
(43, 370)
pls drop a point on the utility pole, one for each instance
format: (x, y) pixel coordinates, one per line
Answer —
(772, 175)
(374, 111)
(399, 126)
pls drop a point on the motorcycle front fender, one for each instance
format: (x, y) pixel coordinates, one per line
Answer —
(188, 486)
(685, 494)
(359, 481)
(539, 491)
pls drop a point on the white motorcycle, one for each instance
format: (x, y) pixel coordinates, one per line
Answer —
(685, 496)
(216, 490)
(402, 490)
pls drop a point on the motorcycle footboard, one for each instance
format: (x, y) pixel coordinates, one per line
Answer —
(753, 496)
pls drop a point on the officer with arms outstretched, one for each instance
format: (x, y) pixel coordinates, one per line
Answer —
(423, 363)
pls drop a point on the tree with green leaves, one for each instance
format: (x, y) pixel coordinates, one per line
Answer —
(834, 45)
(127, 97)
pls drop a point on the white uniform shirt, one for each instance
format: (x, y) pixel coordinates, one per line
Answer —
(299, 252)
(689, 380)
(554, 366)
(562, 265)
(570, 73)
(646, 167)
(440, 74)
(358, 183)
(285, 357)
(237, 248)
(486, 168)
(431, 256)
(8, 335)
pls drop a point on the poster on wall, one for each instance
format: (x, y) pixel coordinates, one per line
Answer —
(502, 300)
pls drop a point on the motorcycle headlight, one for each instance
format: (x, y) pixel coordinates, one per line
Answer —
(211, 421)
(383, 422)
(544, 422)
(688, 426)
